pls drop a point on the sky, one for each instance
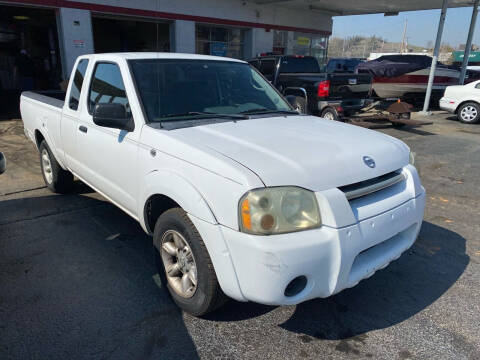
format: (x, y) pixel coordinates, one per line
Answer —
(421, 28)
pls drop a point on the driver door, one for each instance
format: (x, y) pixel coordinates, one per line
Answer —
(108, 157)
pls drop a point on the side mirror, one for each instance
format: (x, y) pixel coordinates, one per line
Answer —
(3, 163)
(113, 116)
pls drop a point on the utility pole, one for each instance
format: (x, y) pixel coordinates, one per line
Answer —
(403, 37)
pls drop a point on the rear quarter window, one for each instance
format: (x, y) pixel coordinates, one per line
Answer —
(77, 83)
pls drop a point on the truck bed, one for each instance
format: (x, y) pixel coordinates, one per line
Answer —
(43, 110)
(342, 86)
(50, 97)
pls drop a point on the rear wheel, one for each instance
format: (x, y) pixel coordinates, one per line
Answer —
(469, 113)
(184, 264)
(330, 113)
(300, 105)
(56, 179)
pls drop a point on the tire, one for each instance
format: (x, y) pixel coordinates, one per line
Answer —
(300, 104)
(175, 226)
(56, 179)
(405, 116)
(330, 113)
(469, 113)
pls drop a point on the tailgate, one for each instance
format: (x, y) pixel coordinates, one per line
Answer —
(349, 86)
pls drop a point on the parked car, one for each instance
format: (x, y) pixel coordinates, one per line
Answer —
(463, 100)
(243, 196)
(329, 95)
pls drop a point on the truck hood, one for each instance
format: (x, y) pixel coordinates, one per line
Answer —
(305, 151)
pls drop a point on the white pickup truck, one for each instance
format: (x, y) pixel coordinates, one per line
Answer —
(244, 197)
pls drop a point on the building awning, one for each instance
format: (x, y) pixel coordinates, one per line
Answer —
(360, 7)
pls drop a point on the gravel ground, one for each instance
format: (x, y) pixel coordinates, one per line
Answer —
(78, 279)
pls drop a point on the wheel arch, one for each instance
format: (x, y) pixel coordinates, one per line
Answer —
(464, 102)
(174, 190)
(163, 190)
(332, 109)
(39, 137)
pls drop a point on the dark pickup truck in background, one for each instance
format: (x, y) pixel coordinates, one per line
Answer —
(329, 95)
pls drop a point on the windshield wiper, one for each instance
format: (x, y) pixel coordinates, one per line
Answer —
(203, 115)
(268, 111)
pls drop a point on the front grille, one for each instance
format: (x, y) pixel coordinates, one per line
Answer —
(362, 188)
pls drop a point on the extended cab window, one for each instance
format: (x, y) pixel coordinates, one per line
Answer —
(77, 83)
(107, 87)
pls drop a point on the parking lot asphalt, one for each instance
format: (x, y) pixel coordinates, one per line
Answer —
(77, 277)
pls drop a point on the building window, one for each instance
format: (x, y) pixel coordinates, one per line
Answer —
(280, 42)
(296, 43)
(310, 44)
(219, 41)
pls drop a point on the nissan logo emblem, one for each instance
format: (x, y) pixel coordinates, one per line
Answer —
(369, 161)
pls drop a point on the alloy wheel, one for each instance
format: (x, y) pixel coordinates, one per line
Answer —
(179, 263)
(469, 113)
(329, 116)
(47, 166)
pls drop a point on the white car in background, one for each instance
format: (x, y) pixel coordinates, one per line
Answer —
(463, 100)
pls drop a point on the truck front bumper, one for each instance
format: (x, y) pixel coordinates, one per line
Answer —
(330, 259)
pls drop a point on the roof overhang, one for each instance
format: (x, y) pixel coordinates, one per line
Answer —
(361, 7)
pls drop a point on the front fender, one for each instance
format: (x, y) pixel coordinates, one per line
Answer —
(177, 188)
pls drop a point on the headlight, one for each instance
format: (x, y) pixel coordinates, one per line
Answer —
(278, 210)
(412, 158)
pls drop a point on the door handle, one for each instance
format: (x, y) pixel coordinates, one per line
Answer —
(83, 128)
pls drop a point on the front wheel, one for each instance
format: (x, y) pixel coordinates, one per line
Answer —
(56, 179)
(184, 265)
(469, 113)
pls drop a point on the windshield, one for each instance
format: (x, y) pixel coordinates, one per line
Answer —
(292, 64)
(181, 89)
